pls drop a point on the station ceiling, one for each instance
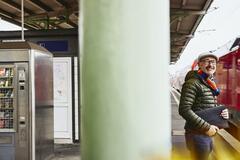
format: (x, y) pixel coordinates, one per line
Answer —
(185, 16)
(41, 14)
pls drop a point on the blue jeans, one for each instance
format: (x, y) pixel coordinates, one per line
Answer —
(199, 145)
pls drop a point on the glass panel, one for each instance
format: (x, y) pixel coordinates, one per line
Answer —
(6, 97)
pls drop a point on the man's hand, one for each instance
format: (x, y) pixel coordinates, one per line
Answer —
(212, 130)
(225, 114)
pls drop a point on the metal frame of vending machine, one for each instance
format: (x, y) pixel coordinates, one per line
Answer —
(26, 102)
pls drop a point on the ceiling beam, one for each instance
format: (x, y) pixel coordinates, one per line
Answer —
(174, 54)
(177, 46)
(179, 22)
(184, 2)
(174, 40)
(62, 2)
(68, 3)
(6, 14)
(177, 34)
(56, 13)
(41, 5)
(17, 6)
(184, 12)
(10, 20)
(9, 17)
(72, 24)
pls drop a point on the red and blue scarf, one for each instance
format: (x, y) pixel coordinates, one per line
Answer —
(209, 82)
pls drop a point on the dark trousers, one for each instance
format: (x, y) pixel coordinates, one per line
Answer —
(199, 145)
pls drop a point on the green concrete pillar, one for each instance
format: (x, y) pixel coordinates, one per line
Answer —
(125, 87)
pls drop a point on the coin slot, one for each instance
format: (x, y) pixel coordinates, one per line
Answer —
(21, 87)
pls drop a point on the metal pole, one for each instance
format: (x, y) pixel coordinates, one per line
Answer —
(22, 13)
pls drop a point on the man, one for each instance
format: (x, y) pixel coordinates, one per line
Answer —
(199, 92)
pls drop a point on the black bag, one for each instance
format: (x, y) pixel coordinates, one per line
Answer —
(213, 116)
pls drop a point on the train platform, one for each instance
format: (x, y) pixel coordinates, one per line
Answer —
(179, 148)
(66, 152)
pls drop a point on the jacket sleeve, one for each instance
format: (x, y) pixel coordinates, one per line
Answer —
(188, 96)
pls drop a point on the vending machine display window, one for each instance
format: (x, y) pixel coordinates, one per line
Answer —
(6, 97)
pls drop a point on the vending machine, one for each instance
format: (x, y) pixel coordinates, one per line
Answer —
(26, 102)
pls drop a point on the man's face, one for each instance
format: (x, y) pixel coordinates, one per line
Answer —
(208, 65)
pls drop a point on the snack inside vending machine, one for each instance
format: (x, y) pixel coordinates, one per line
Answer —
(26, 102)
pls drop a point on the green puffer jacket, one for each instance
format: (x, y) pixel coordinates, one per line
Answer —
(195, 96)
